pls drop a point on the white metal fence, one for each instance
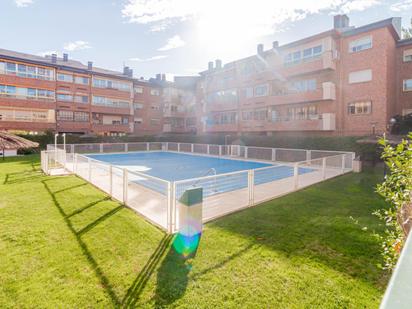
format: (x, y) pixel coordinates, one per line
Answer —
(158, 199)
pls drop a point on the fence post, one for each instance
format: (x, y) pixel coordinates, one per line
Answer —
(101, 148)
(296, 175)
(147, 147)
(125, 185)
(111, 179)
(169, 207)
(178, 147)
(220, 150)
(167, 146)
(273, 154)
(246, 152)
(324, 168)
(126, 147)
(343, 163)
(75, 163)
(192, 148)
(308, 155)
(90, 169)
(173, 207)
(208, 149)
(251, 187)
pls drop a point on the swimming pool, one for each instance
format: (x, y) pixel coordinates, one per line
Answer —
(171, 166)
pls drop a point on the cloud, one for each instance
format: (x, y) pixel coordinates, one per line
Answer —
(401, 6)
(77, 45)
(357, 5)
(23, 3)
(259, 17)
(159, 57)
(172, 43)
(48, 53)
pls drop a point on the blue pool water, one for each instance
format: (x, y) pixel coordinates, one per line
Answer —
(173, 166)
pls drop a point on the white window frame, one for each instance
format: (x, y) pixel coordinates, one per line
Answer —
(405, 83)
(360, 45)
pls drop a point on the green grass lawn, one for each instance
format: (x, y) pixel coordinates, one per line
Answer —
(64, 243)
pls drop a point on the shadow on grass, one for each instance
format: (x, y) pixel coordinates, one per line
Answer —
(167, 290)
(315, 224)
(133, 293)
(21, 177)
(83, 246)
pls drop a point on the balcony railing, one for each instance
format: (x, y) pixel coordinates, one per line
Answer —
(10, 118)
(322, 62)
(26, 97)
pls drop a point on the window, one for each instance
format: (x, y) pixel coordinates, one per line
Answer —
(65, 115)
(28, 71)
(65, 77)
(361, 44)
(407, 85)
(137, 105)
(64, 97)
(260, 114)
(138, 120)
(309, 112)
(81, 80)
(360, 108)
(138, 89)
(247, 115)
(154, 122)
(249, 92)
(312, 52)
(303, 85)
(307, 54)
(26, 93)
(261, 90)
(407, 55)
(113, 84)
(154, 91)
(81, 99)
(81, 116)
(360, 76)
(103, 101)
(155, 107)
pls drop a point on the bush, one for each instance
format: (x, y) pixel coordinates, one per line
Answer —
(396, 189)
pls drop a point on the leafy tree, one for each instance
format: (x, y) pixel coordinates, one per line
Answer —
(407, 32)
(397, 190)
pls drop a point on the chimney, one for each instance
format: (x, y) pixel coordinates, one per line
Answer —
(340, 21)
(163, 77)
(218, 64)
(65, 57)
(158, 76)
(90, 65)
(275, 44)
(54, 58)
(260, 49)
(210, 66)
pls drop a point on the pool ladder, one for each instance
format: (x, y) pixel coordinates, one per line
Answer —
(211, 171)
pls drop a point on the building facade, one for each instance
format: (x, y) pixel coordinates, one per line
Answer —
(344, 81)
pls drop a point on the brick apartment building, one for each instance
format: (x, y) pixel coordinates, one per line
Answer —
(344, 81)
(63, 95)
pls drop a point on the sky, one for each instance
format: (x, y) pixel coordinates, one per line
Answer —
(175, 37)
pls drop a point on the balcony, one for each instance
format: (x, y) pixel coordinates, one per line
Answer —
(103, 128)
(324, 93)
(111, 109)
(322, 122)
(73, 126)
(168, 128)
(214, 128)
(323, 62)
